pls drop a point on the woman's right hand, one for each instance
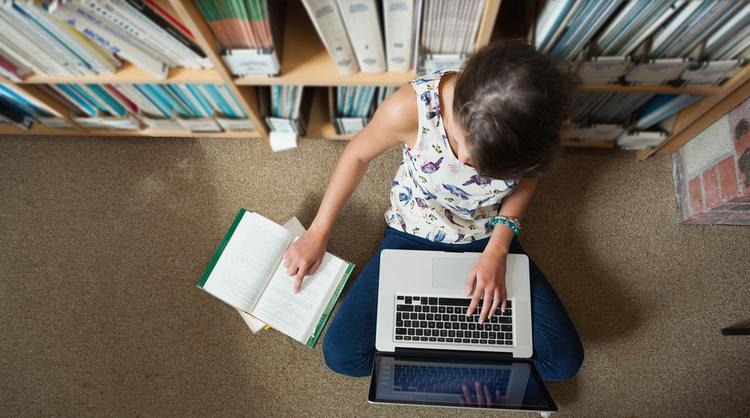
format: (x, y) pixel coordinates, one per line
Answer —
(304, 256)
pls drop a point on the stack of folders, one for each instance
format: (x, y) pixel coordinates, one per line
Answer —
(21, 111)
(285, 108)
(353, 106)
(249, 32)
(654, 120)
(351, 32)
(86, 37)
(607, 107)
(603, 116)
(192, 107)
(644, 41)
(631, 120)
(447, 33)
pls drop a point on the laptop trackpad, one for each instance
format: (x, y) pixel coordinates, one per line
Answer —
(450, 272)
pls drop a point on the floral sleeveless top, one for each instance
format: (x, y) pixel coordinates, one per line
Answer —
(435, 196)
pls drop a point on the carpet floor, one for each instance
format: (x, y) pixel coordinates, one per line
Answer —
(104, 239)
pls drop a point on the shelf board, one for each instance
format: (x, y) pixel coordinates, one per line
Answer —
(305, 61)
(129, 73)
(38, 129)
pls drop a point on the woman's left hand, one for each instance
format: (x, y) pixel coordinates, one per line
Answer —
(487, 281)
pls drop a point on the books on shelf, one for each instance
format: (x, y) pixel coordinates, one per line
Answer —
(732, 40)
(661, 107)
(249, 32)
(447, 33)
(31, 40)
(352, 107)
(247, 273)
(646, 42)
(691, 25)
(285, 108)
(127, 29)
(427, 34)
(606, 107)
(20, 110)
(192, 107)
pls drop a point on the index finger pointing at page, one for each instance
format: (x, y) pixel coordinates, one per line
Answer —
(299, 278)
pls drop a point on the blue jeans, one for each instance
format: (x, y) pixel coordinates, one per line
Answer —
(349, 344)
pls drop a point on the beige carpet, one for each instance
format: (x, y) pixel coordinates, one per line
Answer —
(104, 239)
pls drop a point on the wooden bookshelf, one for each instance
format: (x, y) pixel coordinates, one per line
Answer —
(129, 73)
(42, 130)
(305, 61)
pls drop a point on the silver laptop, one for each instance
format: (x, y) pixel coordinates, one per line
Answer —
(418, 287)
(428, 352)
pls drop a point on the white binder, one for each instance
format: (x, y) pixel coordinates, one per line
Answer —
(399, 33)
(603, 70)
(657, 71)
(327, 20)
(363, 26)
(711, 73)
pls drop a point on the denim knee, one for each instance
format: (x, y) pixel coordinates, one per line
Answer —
(566, 363)
(342, 358)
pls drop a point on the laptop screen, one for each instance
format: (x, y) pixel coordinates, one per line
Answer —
(458, 383)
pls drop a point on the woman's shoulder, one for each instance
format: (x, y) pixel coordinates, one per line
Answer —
(400, 111)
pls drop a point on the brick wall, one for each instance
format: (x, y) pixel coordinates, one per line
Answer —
(712, 172)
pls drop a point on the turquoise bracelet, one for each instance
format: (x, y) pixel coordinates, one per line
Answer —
(510, 224)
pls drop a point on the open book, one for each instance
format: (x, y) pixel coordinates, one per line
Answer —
(247, 273)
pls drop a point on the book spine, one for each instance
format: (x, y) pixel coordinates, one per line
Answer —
(9, 70)
(157, 37)
(43, 35)
(88, 24)
(192, 108)
(166, 15)
(132, 29)
(163, 23)
(329, 308)
(71, 39)
(201, 99)
(21, 48)
(74, 98)
(220, 250)
(121, 98)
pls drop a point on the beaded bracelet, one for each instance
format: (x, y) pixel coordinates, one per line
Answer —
(509, 221)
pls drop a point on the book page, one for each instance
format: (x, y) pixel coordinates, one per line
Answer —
(295, 313)
(249, 259)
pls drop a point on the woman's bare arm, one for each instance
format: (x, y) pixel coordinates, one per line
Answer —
(394, 123)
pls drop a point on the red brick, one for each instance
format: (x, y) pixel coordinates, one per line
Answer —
(696, 195)
(711, 191)
(728, 178)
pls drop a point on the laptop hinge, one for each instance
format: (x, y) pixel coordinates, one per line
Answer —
(453, 354)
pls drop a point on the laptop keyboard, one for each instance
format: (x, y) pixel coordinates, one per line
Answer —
(443, 320)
